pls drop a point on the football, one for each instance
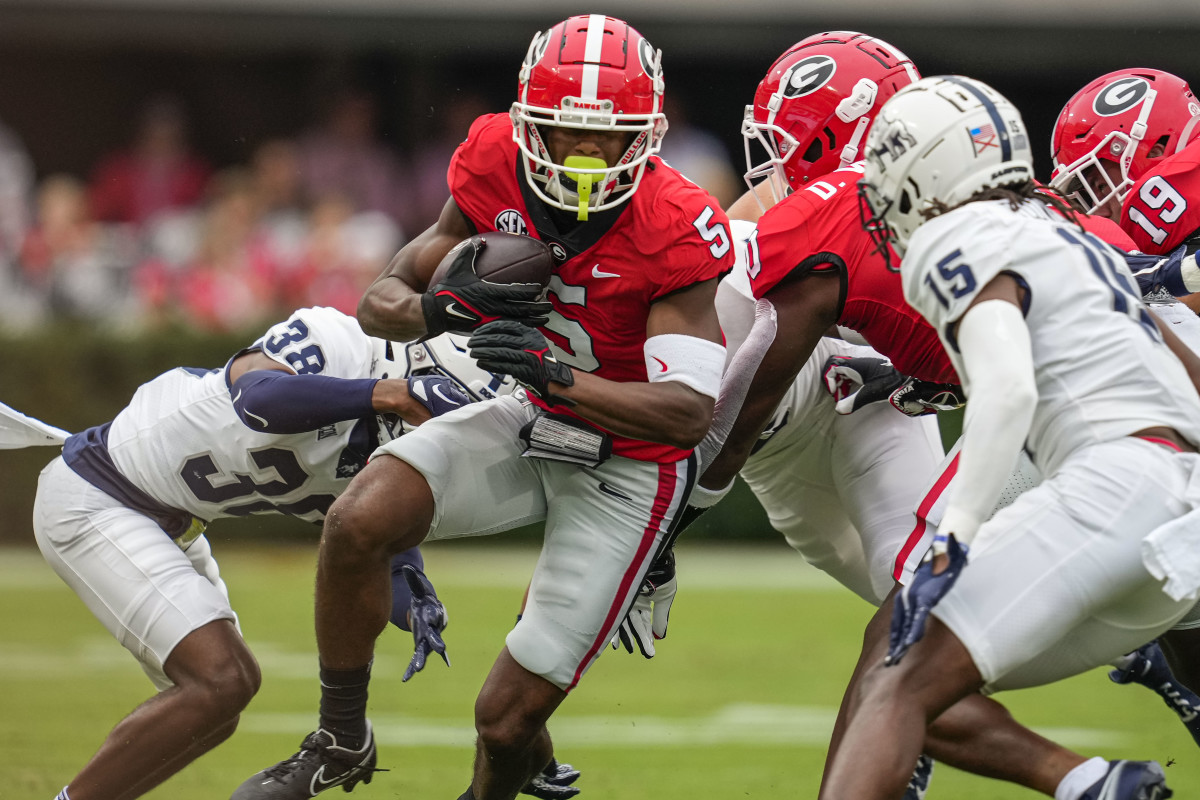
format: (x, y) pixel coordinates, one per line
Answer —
(504, 258)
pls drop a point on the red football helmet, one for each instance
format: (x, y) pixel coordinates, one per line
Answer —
(596, 73)
(1120, 118)
(813, 109)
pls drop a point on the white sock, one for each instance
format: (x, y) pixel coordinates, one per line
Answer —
(63, 795)
(1123, 662)
(1080, 779)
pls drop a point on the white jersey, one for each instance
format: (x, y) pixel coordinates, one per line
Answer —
(181, 444)
(1102, 369)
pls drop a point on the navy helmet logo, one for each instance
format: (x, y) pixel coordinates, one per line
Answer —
(895, 143)
(807, 76)
(1120, 96)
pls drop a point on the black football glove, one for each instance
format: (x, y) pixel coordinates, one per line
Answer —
(553, 782)
(855, 382)
(511, 348)
(463, 301)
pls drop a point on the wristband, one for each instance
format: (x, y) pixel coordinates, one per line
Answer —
(703, 497)
(690, 360)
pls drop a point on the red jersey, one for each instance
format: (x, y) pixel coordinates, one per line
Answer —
(1102, 227)
(669, 235)
(817, 228)
(1163, 207)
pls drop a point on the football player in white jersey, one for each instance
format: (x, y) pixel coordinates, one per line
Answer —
(1059, 357)
(120, 516)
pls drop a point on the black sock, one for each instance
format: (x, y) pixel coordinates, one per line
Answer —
(344, 704)
(469, 794)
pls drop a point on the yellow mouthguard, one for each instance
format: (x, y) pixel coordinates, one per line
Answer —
(584, 180)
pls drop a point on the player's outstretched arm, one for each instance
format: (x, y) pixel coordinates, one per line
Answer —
(271, 398)
(391, 307)
(805, 309)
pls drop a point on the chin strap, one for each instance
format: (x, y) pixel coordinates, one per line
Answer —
(855, 106)
(584, 180)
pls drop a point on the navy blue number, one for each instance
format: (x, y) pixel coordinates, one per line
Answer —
(210, 484)
(1126, 299)
(959, 279)
(296, 332)
(308, 361)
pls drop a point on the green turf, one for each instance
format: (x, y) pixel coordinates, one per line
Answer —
(738, 703)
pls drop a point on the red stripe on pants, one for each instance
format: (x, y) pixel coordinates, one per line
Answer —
(667, 481)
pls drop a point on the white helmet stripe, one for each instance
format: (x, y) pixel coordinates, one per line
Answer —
(593, 46)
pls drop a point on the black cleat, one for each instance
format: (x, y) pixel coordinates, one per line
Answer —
(319, 765)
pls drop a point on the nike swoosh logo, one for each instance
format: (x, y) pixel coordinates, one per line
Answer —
(453, 311)
(604, 487)
(437, 390)
(319, 784)
(598, 273)
(661, 363)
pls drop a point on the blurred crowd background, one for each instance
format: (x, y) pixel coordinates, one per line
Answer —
(158, 231)
(211, 165)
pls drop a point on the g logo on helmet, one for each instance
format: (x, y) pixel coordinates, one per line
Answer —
(1120, 96)
(537, 48)
(646, 55)
(807, 76)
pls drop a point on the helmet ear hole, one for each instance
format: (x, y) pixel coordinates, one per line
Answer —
(905, 204)
(813, 152)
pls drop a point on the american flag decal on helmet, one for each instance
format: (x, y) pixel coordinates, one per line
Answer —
(984, 137)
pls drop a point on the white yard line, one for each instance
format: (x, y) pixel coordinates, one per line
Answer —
(740, 724)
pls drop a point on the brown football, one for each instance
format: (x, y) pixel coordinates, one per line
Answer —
(505, 258)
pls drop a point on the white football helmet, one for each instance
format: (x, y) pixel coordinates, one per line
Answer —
(936, 143)
(445, 355)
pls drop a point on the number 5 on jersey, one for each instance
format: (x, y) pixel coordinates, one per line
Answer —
(581, 354)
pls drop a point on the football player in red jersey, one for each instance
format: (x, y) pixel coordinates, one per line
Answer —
(621, 365)
(811, 259)
(1127, 147)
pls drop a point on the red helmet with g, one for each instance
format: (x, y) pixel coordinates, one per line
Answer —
(812, 111)
(1127, 119)
(597, 73)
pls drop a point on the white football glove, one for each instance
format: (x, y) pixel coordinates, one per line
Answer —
(648, 618)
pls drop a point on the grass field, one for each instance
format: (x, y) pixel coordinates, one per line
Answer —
(739, 702)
